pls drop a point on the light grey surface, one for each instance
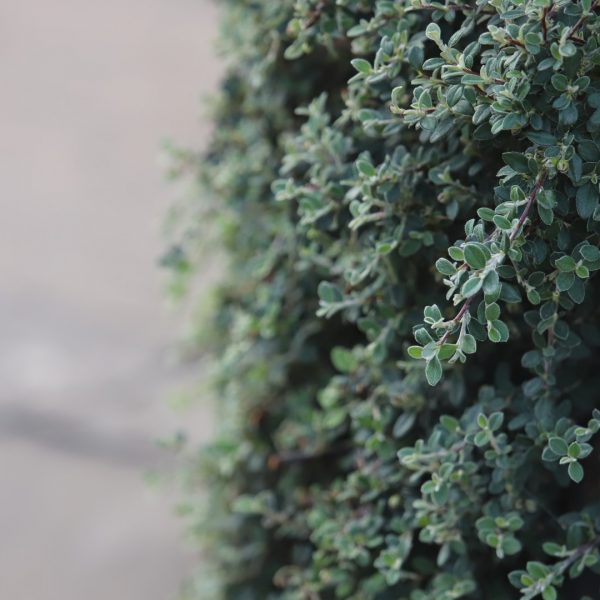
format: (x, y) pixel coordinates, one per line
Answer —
(88, 91)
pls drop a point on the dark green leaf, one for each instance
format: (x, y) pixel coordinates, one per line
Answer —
(587, 200)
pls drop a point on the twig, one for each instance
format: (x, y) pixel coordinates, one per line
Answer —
(579, 553)
(276, 460)
(547, 13)
(581, 21)
(530, 202)
(513, 42)
(315, 15)
(461, 313)
(465, 307)
(449, 7)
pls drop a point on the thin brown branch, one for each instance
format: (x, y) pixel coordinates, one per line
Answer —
(582, 19)
(547, 13)
(315, 15)
(513, 42)
(449, 7)
(457, 319)
(530, 202)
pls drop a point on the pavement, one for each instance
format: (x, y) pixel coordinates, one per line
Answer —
(88, 91)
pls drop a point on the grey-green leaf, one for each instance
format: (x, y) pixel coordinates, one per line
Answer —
(474, 256)
(575, 472)
(433, 371)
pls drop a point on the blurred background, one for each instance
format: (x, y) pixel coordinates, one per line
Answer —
(89, 90)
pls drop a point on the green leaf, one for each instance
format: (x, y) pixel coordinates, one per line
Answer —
(516, 161)
(577, 291)
(481, 439)
(549, 456)
(494, 334)
(566, 264)
(586, 200)
(564, 281)
(591, 253)
(366, 168)
(397, 95)
(560, 82)
(447, 351)
(329, 292)
(474, 256)
(511, 546)
(537, 569)
(541, 138)
(558, 446)
(498, 331)
(432, 313)
(430, 350)
(510, 294)
(546, 214)
(491, 284)
(422, 336)
(471, 287)
(469, 344)
(492, 311)
(415, 352)
(449, 423)
(456, 253)
(502, 223)
(515, 522)
(495, 421)
(549, 593)
(361, 65)
(433, 371)
(487, 214)
(384, 248)
(445, 267)
(470, 79)
(553, 549)
(343, 359)
(574, 450)
(433, 32)
(575, 471)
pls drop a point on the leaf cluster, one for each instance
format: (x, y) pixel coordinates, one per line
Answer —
(408, 337)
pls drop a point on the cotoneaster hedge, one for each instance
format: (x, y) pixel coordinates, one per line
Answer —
(409, 331)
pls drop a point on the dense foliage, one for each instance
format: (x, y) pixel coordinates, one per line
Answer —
(378, 440)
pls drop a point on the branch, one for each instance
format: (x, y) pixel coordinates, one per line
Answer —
(530, 202)
(457, 319)
(315, 15)
(581, 21)
(450, 7)
(578, 554)
(276, 460)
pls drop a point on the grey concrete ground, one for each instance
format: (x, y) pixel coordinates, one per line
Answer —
(88, 89)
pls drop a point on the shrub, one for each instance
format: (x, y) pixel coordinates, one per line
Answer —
(377, 440)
